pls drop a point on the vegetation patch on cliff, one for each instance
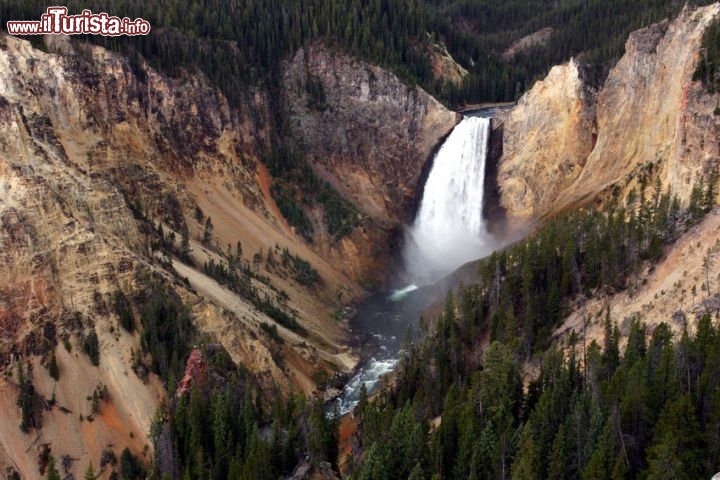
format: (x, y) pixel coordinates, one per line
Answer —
(708, 69)
(296, 189)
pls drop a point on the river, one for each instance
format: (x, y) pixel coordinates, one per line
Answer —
(382, 325)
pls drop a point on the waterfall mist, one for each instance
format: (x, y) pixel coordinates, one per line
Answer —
(449, 229)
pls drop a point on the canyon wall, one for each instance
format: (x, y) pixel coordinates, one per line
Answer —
(546, 140)
(93, 157)
(372, 138)
(373, 135)
(102, 161)
(564, 144)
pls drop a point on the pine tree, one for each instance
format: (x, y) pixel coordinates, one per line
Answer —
(208, 232)
(53, 369)
(28, 400)
(90, 472)
(185, 243)
(52, 471)
(602, 461)
(91, 346)
(221, 421)
(611, 357)
(130, 466)
(417, 473)
(321, 435)
(528, 464)
(677, 449)
(710, 193)
(500, 386)
(374, 465)
(636, 347)
(557, 463)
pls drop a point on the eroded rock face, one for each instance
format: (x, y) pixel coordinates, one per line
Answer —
(562, 146)
(95, 154)
(546, 140)
(80, 138)
(371, 137)
(195, 373)
(643, 108)
(89, 149)
(541, 37)
(444, 66)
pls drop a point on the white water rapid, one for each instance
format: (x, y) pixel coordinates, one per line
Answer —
(449, 229)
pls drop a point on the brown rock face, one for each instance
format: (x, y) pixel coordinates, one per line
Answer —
(562, 146)
(546, 140)
(642, 110)
(541, 37)
(84, 141)
(81, 139)
(372, 135)
(444, 66)
(94, 155)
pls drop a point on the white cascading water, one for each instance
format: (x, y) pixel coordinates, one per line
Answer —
(449, 229)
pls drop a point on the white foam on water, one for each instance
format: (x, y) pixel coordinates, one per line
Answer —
(399, 294)
(449, 230)
(370, 377)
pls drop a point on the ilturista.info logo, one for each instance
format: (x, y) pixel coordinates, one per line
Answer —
(56, 21)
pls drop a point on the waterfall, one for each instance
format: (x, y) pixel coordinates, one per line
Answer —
(449, 229)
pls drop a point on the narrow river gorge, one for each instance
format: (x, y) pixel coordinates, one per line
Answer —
(449, 231)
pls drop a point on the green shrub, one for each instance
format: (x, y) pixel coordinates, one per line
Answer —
(91, 347)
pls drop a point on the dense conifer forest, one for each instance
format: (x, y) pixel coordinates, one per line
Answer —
(237, 43)
(223, 427)
(595, 411)
(648, 409)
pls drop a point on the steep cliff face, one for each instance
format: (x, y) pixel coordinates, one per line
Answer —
(371, 137)
(547, 138)
(98, 157)
(82, 140)
(94, 156)
(564, 146)
(445, 68)
(648, 108)
(649, 111)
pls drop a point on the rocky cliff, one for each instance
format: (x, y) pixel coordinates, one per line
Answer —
(547, 138)
(104, 164)
(372, 137)
(96, 159)
(563, 144)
